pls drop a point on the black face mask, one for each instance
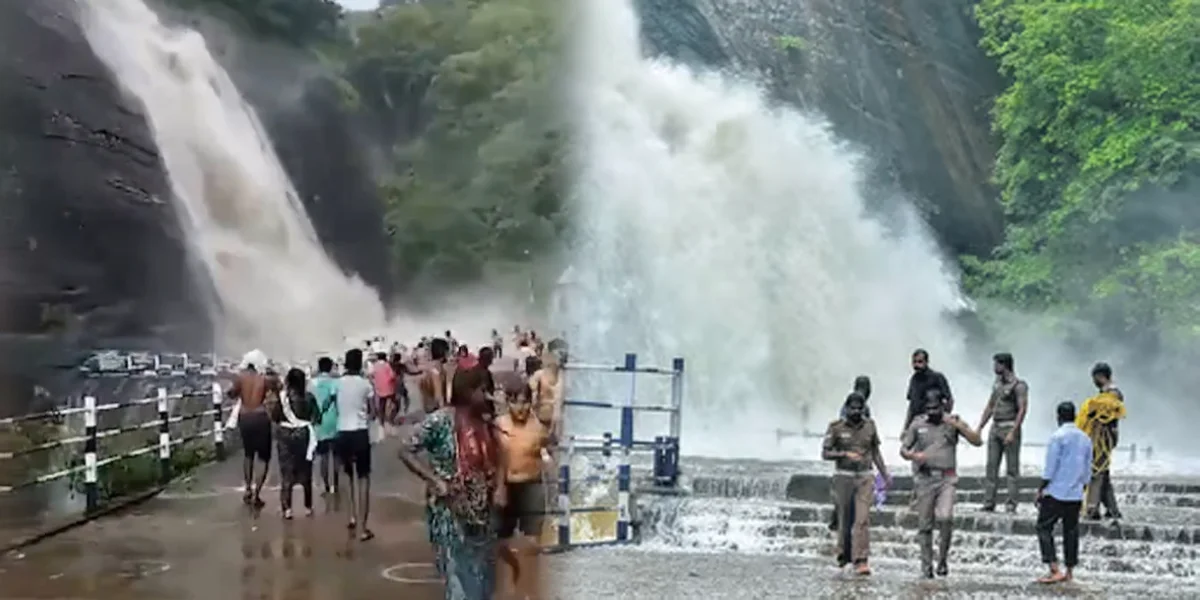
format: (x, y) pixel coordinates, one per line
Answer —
(854, 416)
(934, 417)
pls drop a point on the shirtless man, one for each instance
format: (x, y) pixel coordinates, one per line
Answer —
(524, 444)
(435, 379)
(547, 384)
(252, 389)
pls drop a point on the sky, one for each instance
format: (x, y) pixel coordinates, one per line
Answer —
(359, 4)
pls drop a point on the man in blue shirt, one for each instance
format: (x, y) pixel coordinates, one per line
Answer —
(1068, 469)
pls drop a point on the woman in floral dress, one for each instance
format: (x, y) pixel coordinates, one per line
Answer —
(465, 478)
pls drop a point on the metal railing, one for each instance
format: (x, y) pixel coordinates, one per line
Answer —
(91, 410)
(665, 448)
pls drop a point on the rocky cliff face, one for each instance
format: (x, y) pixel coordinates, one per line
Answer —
(904, 80)
(91, 251)
(91, 247)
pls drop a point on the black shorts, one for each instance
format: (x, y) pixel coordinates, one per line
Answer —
(525, 510)
(354, 450)
(254, 428)
(325, 447)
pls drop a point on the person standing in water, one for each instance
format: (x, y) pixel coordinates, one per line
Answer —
(297, 441)
(1067, 469)
(1098, 418)
(852, 442)
(525, 444)
(931, 443)
(252, 390)
(324, 387)
(862, 385)
(923, 379)
(355, 401)
(1006, 408)
(465, 479)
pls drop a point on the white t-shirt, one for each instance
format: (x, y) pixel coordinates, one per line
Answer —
(354, 395)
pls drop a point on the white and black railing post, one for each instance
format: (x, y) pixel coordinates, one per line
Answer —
(91, 484)
(218, 423)
(164, 437)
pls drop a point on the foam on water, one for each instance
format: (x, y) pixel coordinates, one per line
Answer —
(752, 514)
(243, 219)
(715, 226)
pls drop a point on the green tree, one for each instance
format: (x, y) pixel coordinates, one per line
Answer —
(297, 22)
(1099, 136)
(471, 84)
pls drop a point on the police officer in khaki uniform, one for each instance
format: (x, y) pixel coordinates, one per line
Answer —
(852, 442)
(1006, 409)
(931, 443)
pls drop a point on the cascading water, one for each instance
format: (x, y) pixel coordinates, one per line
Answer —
(714, 226)
(276, 286)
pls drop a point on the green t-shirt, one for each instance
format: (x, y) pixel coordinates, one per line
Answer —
(324, 387)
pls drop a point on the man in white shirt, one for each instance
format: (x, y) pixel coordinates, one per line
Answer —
(355, 399)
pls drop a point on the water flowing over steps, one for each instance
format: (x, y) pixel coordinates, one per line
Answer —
(765, 509)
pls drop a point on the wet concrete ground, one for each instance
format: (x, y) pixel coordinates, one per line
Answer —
(198, 541)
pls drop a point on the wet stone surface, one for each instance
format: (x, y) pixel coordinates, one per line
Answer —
(636, 574)
(198, 541)
(745, 540)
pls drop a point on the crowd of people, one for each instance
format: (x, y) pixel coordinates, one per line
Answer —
(482, 437)
(1075, 477)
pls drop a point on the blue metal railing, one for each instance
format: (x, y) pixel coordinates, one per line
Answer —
(665, 448)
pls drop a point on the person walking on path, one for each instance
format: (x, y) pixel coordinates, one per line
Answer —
(296, 440)
(324, 387)
(355, 400)
(852, 442)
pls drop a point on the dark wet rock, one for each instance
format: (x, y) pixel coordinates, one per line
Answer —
(93, 252)
(903, 80)
(91, 246)
(678, 29)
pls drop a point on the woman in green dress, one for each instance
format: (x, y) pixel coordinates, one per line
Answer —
(465, 480)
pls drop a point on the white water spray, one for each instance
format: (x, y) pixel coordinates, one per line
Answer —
(716, 227)
(277, 288)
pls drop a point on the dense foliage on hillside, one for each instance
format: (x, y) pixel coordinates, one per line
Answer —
(297, 22)
(478, 183)
(1100, 133)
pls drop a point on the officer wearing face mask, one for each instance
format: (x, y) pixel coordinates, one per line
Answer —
(931, 443)
(852, 442)
(862, 385)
